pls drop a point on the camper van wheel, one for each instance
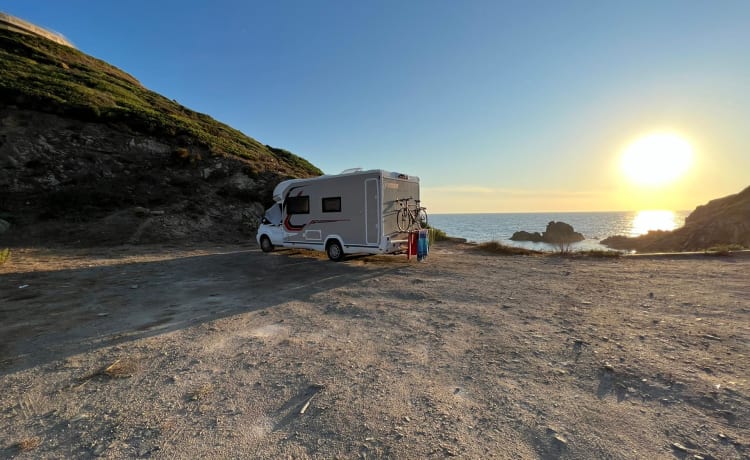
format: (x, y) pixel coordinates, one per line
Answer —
(335, 251)
(265, 244)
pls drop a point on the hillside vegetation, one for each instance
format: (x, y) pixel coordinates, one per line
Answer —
(38, 74)
(90, 156)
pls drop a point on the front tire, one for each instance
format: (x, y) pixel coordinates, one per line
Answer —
(335, 251)
(265, 244)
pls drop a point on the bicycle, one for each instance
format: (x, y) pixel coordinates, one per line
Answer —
(409, 217)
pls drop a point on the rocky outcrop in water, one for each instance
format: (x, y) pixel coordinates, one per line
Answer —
(556, 232)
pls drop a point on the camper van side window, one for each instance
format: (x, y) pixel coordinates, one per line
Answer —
(298, 205)
(332, 204)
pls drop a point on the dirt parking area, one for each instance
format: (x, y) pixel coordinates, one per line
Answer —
(226, 352)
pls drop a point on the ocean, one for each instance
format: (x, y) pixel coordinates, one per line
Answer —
(595, 226)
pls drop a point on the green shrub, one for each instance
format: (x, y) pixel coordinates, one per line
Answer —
(435, 234)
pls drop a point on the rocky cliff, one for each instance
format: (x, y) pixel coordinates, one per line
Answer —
(720, 222)
(89, 155)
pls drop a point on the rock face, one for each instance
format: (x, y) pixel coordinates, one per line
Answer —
(724, 221)
(65, 180)
(89, 155)
(556, 232)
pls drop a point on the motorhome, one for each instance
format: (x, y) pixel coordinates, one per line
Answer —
(355, 212)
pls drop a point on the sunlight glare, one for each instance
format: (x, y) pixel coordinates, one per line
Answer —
(657, 159)
(645, 221)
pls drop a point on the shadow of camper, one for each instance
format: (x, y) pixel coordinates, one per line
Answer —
(66, 312)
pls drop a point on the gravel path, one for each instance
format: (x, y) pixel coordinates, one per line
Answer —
(226, 352)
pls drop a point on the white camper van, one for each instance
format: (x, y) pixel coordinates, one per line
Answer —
(366, 212)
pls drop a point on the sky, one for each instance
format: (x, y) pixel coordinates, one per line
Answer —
(498, 106)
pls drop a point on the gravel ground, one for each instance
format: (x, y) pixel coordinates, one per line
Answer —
(226, 352)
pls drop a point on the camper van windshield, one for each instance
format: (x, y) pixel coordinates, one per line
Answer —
(298, 205)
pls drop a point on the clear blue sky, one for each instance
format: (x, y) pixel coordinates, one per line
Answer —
(497, 106)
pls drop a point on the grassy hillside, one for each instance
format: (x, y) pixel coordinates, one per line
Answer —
(38, 74)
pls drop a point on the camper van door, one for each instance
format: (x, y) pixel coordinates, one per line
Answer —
(372, 211)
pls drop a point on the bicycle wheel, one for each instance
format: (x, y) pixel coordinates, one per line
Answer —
(402, 219)
(422, 218)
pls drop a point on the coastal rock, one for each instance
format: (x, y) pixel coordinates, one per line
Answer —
(560, 232)
(724, 221)
(556, 232)
(523, 235)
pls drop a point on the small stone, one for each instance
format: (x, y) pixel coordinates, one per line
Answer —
(561, 440)
(680, 447)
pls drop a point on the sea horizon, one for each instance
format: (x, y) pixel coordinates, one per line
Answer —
(594, 225)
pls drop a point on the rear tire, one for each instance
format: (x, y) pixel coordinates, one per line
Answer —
(423, 219)
(335, 251)
(265, 244)
(402, 219)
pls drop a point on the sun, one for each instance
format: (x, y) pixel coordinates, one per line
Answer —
(657, 159)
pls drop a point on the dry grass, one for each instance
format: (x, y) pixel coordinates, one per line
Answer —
(28, 444)
(597, 254)
(723, 250)
(495, 247)
(119, 369)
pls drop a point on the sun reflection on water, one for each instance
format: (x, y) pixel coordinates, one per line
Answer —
(645, 221)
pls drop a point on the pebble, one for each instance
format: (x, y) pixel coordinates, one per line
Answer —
(561, 440)
(678, 446)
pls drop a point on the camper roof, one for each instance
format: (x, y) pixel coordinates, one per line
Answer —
(279, 192)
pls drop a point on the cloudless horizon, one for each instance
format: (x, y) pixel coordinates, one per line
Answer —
(497, 106)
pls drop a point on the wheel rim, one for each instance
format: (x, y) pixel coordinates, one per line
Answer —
(334, 251)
